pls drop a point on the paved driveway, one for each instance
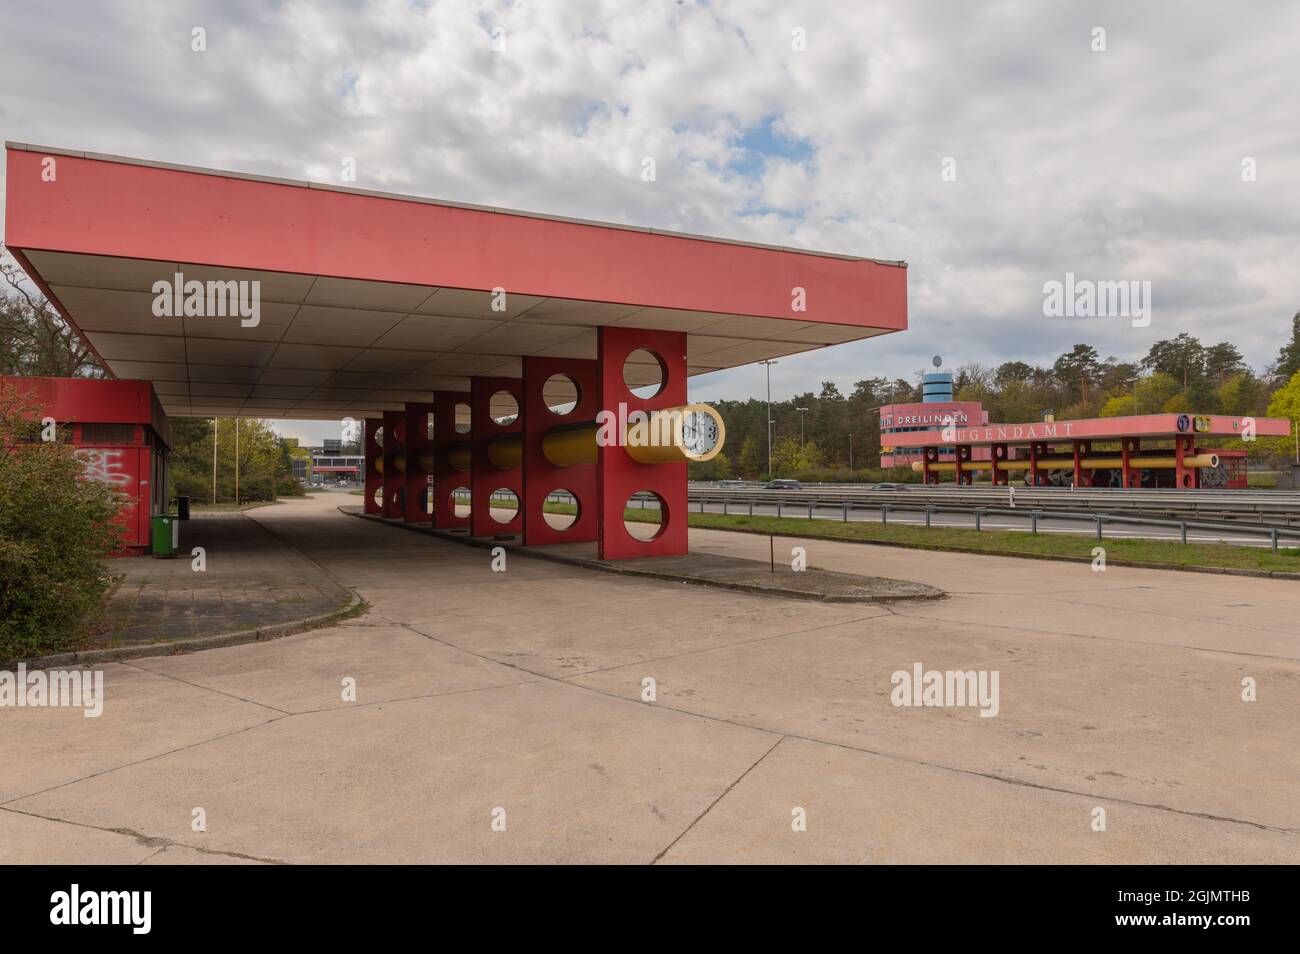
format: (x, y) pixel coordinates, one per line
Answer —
(515, 700)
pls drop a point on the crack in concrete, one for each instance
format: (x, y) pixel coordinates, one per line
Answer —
(147, 841)
(725, 792)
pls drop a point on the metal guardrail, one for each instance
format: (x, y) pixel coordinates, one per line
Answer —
(1274, 507)
(814, 503)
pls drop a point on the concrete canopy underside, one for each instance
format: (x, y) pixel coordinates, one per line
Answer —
(370, 301)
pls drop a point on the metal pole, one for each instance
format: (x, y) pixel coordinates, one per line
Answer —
(770, 422)
(850, 450)
(214, 459)
(236, 462)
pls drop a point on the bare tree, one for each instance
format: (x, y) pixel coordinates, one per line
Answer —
(34, 338)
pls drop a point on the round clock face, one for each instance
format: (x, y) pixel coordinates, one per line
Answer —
(700, 433)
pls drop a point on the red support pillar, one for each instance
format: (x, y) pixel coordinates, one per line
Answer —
(485, 475)
(618, 475)
(541, 477)
(998, 454)
(374, 481)
(447, 477)
(929, 455)
(419, 454)
(1035, 477)
(1085, 475)
(1185, 478)
(1130, 447)
(394, 465)
(964, 475)
(1078, 466)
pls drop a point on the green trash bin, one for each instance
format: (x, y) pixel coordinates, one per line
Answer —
(164, 535)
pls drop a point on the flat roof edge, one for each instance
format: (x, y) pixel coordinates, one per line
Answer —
(401, 197)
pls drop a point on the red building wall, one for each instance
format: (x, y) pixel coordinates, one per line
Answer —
(120, 432)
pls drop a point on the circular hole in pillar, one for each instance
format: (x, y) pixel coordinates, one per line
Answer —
(462, 417)
(459, 502)
(378, 497)
(561, 394)
(645, 515)
(379, 436)
(503, 408)
(504, 506)
(560, 510)
(644, 373)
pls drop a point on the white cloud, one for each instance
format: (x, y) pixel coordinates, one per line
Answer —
(1124, 164)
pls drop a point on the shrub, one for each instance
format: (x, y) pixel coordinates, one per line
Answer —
(55, 531)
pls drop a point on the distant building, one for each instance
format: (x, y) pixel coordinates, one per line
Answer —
(936, 409)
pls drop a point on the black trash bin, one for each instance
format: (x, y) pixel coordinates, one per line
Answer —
(182, 508)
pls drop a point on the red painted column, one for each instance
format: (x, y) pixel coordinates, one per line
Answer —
(541, 477)
(618, 475)
(419, 454)
(1130, 447)
(1078, 468)
(394, 464)
(998, 453)
(961, 458)
(1035, 479)
(1185, 478)
(374, 482)
(446, 477)
(485, 476)
(929, 455)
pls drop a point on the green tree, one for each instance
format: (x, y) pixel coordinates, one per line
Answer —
(265, 460)
(1154, 391)
(1241, 394)
(1119, 406)
(789, 458)
(1284, 403)
(751, 461)
(1078, 369)
(1181, 358)
(56, 528)
(1288, 359)
(1222, 361)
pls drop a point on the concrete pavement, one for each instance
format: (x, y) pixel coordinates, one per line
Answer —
(517, 698)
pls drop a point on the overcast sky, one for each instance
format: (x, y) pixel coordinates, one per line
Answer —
(1123, 164)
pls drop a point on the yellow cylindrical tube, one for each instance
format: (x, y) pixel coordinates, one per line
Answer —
(1087, 463)
(570, 444)
(658, 441)
(506, 452)
(458, 456)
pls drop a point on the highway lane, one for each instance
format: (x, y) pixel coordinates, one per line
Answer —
(1084, 527)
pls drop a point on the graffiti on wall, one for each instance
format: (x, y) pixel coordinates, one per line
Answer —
(104, 466)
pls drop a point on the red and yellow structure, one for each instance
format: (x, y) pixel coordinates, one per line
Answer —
(1171, 450)
(406, 312)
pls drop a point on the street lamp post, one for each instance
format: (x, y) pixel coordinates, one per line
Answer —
(802, 411)
(770, 422)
